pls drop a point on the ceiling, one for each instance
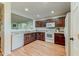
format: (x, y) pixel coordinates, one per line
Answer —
(19, 19)
(42, 9)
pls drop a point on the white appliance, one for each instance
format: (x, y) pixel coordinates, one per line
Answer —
(17, 40)
(49, 35)
(50, 24)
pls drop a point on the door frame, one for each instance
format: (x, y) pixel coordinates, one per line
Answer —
(2, 33)
(6, 29)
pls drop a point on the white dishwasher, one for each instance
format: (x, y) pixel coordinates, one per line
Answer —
(17, 40)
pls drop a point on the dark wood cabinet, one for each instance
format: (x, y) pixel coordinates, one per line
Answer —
(26, 39)
(40, 36)
(33, 36)
(60, 22)
(40, 24)
(50, 20)
(30, 37)
(59, 39)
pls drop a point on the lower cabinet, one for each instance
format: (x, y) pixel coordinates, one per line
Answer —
(59, 39)
(40, 36)
(30, 37)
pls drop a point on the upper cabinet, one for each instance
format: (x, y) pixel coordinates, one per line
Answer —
(60, 22)
(50, 20)
(40, 24)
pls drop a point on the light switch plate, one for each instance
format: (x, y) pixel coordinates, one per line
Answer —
(78, 36)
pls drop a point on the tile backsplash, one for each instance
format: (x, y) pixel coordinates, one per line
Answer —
(60, 29)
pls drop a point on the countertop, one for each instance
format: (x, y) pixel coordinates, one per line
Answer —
(60, 32)
(27, 30)
(22, 31)
(30, 31)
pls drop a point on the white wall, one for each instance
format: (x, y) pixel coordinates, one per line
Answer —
(75, 28)
(6, 34)
(28, 25)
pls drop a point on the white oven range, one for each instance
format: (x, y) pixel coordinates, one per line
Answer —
(49, 36)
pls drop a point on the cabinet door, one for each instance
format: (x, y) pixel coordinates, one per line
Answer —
(41, 36)
(33, 36)
(59, 39)
(60, 22)
(30, 37)
(38, 36)
(26, 39)
(40, 24)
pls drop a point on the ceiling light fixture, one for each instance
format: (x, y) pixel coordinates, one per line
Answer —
(52, 11)
(26, 9)
(38, 15)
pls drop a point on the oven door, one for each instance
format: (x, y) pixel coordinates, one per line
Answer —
(49, 36)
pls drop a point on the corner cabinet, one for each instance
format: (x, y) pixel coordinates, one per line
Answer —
(60, 22)
(40, 36)
(29, 37)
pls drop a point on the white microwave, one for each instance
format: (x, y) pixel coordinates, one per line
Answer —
(50, 24)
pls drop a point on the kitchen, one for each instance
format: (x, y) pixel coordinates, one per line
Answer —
(26, 30)
(50, 30)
